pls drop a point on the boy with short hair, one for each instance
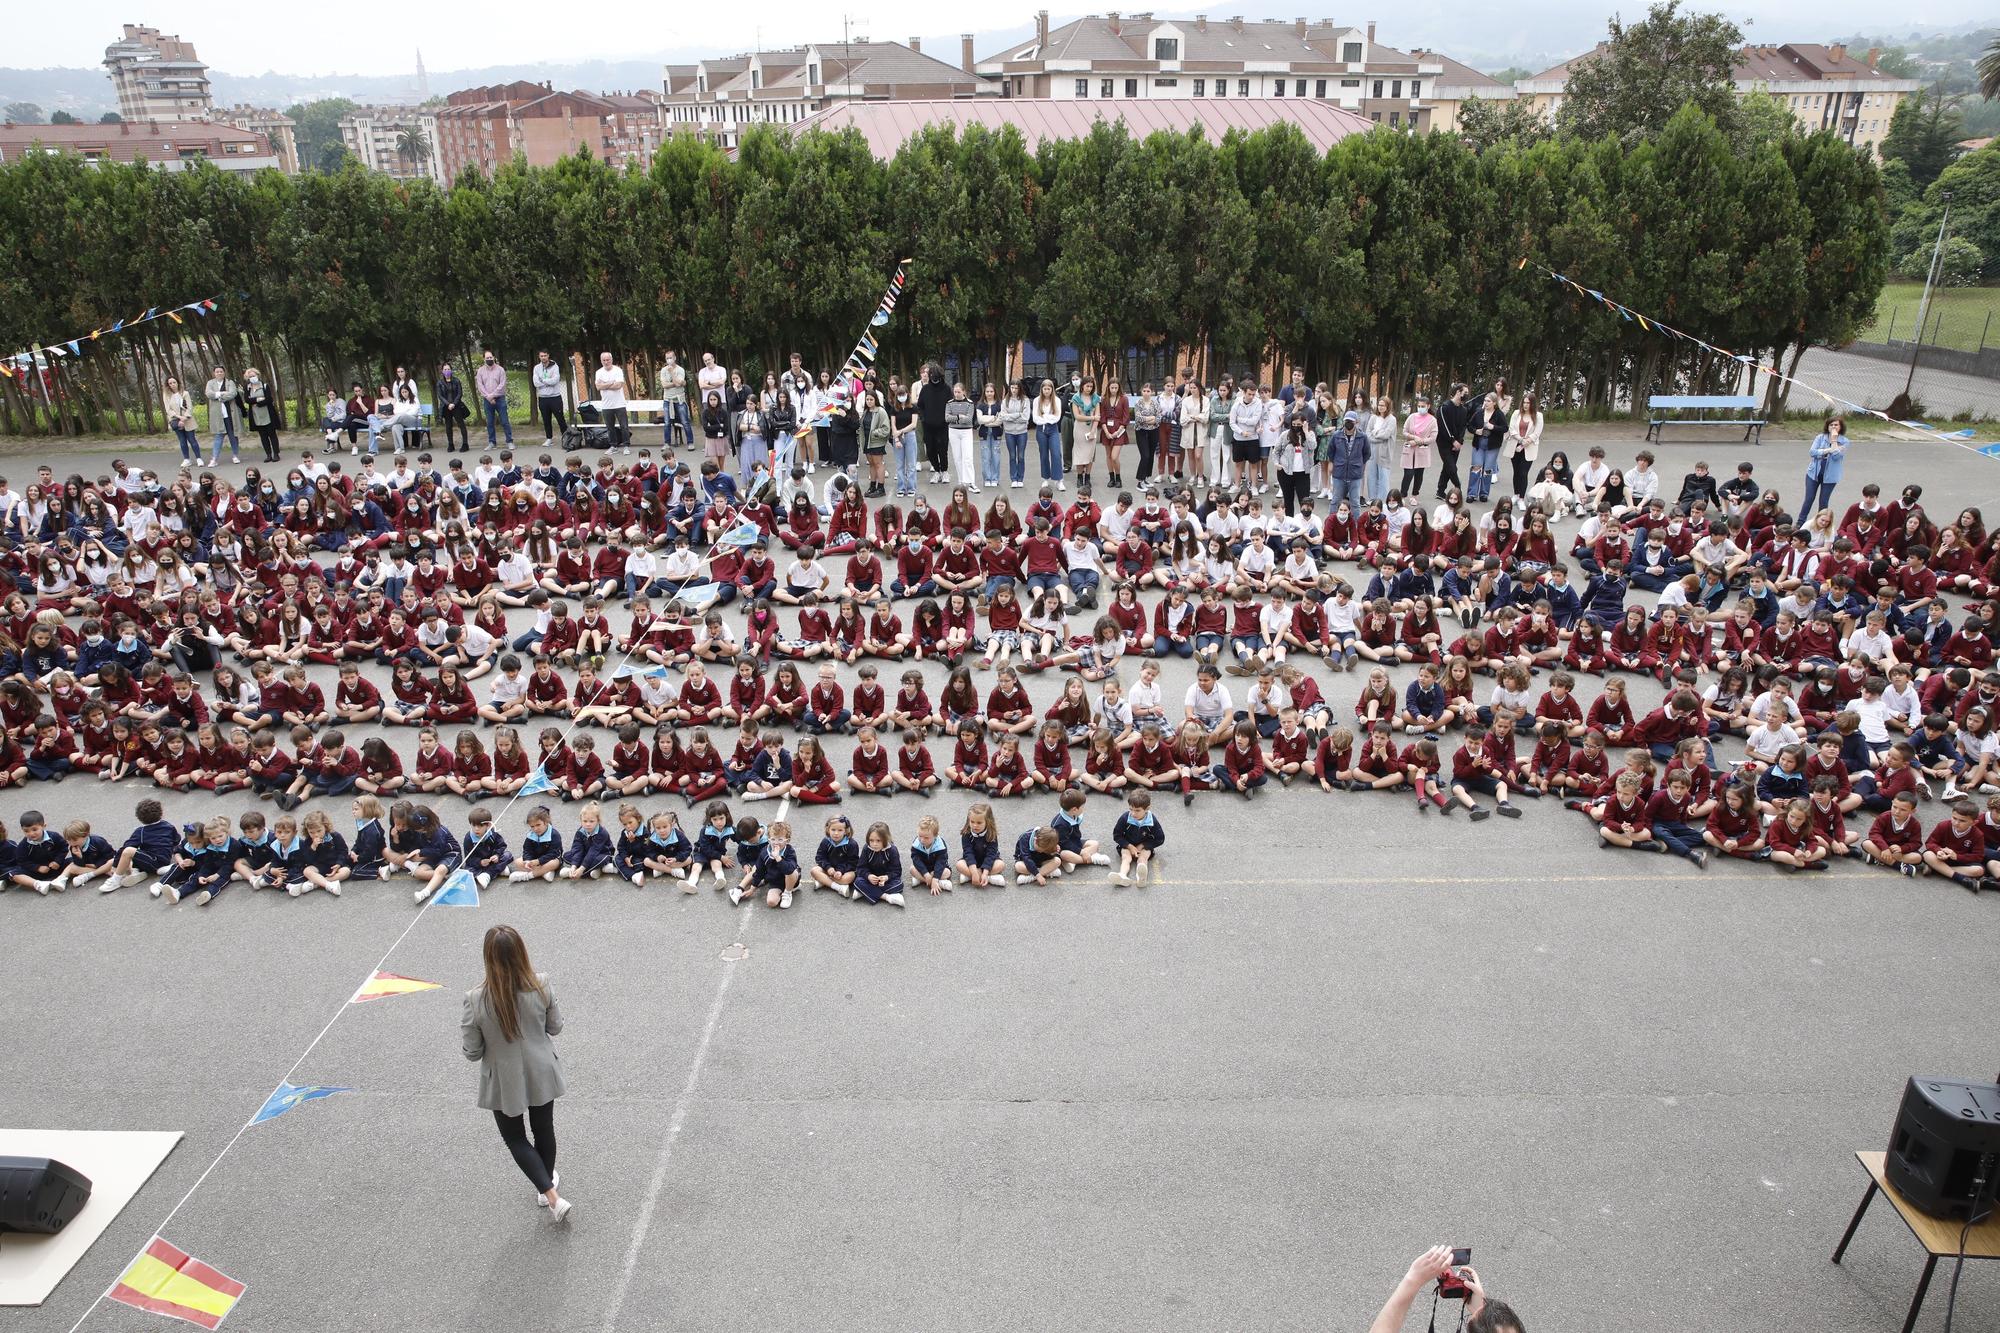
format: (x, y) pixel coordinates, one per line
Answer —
(89, 854)
(147, 850)
(1138, 836)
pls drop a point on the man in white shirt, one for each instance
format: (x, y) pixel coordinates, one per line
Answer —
(610, 383)
(1590, 478)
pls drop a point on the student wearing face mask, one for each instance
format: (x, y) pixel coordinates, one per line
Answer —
(491, 382)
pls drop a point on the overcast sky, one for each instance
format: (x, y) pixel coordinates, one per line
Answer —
(309, 39)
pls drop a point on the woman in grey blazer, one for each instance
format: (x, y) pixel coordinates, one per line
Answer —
(507, 1026)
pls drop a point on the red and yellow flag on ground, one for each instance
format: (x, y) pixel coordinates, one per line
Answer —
(385, 984)
(166, 1281)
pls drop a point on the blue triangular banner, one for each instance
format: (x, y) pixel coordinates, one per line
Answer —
(537, 783)
(289, 1095)
(461, 890)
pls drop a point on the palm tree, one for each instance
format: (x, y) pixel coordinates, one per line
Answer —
(1989, 71)
(413, 145)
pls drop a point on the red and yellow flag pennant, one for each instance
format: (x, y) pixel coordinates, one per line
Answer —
(385, 984)
(170, 1282)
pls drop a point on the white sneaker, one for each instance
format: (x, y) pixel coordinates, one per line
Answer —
(735, 895)
(755, 795)
(1061, 485)
(639, 880)
(1951, 791)
(560, 1213)
(1119, 877)
(61, 883)
(482, 879)
(597, 873)
(422, 893)
(1100, 859)
(294, 890)
(204, 898)
(334, 888)
(785, 899)
(548, 876)
(555, 1183)
(1018, 485)
(41, 886)
(893, 898)
(516, 876)
(83, 877)
(132, 877)
(155, 889)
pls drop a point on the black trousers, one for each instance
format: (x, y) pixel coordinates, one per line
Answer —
(1295, 487)
(268, 435)
(454, 422)
(1448, 473)
(537, 1160)
(554, 422)
(937, 447)
(1521, 466)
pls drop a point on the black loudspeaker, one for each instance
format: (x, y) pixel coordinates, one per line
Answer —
(1947, 1135)
(40, 1195)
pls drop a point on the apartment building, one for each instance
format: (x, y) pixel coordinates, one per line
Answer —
(157, 76)
(398, 141)
(170, 145)
(275, 126)
(720, 98)
(485, 127)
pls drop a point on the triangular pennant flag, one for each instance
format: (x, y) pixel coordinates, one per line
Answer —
(1523, 264)
(119, 325)
(168, 1281)
(152, 312)
(383, 985)
(175, 317)
(74, 349)
(746, 533)
(289, 1095)
(881, 318)
(460, 890)
(538, 781)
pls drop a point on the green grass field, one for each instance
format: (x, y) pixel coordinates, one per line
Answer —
(1959, 316)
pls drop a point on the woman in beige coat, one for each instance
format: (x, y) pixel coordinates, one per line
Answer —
(507, 1027)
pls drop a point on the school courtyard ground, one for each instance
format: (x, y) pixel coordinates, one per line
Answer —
(1334, 1034)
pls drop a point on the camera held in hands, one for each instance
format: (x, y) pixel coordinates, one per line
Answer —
(1450, 1286)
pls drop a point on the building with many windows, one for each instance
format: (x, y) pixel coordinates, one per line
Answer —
(485, 127)
(399, 141)
(157, 76)
(1824, 87)
(1135, 56)
(169, 145)
(720, 98)
(275, 126)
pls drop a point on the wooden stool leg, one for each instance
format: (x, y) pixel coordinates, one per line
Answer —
(1917, 1301)
(1867, 1197)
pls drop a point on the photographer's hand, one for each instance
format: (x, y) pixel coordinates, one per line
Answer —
(1475, 1302)
(1424, 1269)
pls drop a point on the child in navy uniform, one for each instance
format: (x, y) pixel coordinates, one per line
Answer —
(667, 851)
(591, 852)
(1138, 837)
(255, 853)
(214, 865)
(979, 859)
(369, 840)
(881, 871)
(1076, 850)
(838, 859)
(39, 855)
(930, 857)
(541, 848)
(89, 855)
(148, 849)
(777, 871)
(1038, 852)
(711, 846)
(486, 853)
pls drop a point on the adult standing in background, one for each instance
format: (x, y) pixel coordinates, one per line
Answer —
(610, 384)
(1382, 448)
(547, 379)
(179, 406)
(711, 377)
(1523, 443)
(674, 403)
(1453, 419)
(1824, 463)
(507, 1026)
(903, 422)
(450, 409)
(261, 409)
(931, 400)
(491, 381)
(222, 394)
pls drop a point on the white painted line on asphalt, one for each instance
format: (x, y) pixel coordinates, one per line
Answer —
(678, 1119)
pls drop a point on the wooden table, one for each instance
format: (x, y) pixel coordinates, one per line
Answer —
(1938, 1235)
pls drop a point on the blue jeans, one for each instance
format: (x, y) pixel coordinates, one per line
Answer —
(495, 411)
(1479, 479)
(1017, 459)
(190, 444)
(228, 427)
(1083, 582)
(674, 424)
(1349, 491)
(906, 462)
(1048, 447)
(1818, 493)
(989, 458)
(1378, 479)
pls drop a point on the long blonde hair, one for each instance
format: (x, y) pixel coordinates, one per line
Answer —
(508, 973)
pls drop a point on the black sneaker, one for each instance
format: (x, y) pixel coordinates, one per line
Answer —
(1508, 809)
(1480, 812)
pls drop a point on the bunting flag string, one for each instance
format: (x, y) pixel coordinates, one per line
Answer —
(1653, 324)
(848, 383)
(20, 363)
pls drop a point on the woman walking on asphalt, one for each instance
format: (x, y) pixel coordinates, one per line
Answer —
(507, 1026)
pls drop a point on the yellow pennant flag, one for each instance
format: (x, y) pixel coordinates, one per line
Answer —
(383, 985)
(164, 1280)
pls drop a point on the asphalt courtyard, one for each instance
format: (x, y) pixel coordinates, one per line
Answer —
(1333, 1034)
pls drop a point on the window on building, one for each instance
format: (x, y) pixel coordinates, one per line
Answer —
(812, 74)
(1378, 87)
(1107, 88)
(1166, 48)
(1200, 87)
(1166, 83)
(1395, 117)
(1221, 88)
(1278, 88)
(1319, 87)
(1243, 87)
(1131, 87)
(1299, 88)
(1416, 89)
(1350, 50)
(1396, 88)
(756, 78)
(1350, 83)
(1083, 88)
(1375, 115)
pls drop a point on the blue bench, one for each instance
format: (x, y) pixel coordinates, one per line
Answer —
(1753, 426)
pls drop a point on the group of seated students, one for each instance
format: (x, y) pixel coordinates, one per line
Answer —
(1825, 647)
(202, 858)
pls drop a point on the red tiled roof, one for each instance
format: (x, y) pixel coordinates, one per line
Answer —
(886, 125)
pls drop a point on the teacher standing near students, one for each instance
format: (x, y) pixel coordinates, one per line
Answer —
(508, 1026)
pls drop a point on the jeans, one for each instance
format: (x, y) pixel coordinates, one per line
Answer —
(1378, 478)
(906, 462)
(495, 411)
(1818, 493)
(537, 1162)
(1083, 583)
(674, 424)
(989, 458)
(228, 427)
(1479, 478)
(190, 444)
(1048, 449)
(1349, 491)
(1017, 458)
(554, 420)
